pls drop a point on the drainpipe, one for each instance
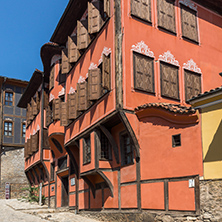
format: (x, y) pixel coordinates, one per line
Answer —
(4, 80)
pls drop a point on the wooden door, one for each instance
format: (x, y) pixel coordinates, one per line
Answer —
(65, 191)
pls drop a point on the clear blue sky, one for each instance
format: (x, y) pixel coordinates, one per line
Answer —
(25, 26)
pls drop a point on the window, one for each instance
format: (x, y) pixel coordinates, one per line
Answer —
(62, 163)
(8, 98)
(8, 128)
(86, 150)
(23, 129)
(192, 84)
(166, 15)
(105, 153)
(141, 9)
(169, 80)
(143, 72)
(126, 149)
(189, 23)
(53, 171)
(176, 140)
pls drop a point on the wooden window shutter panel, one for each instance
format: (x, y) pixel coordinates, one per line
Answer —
(65, 62)
(143, 73)
(83, 38)
(51, 79)
(29, 147)
(169, 81)
(34, 107)
(45, 138)
(94, 84)
(46, 100)
(95, 20)
(196, 84)
(82, 96)
(64, 121)
(56, 109)
(107, 8)
(166, 14)
(48, 116)
(141, 9)
(37, 102)
(73, 52)
(72, 106)
(106, 72)
(33, 144)
(189, 23)
(28, 115)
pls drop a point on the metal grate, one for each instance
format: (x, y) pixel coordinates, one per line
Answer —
(105, 147)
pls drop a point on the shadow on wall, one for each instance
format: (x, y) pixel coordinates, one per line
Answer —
(215, 150)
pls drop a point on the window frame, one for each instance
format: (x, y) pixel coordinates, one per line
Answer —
(52, 171)
(7, 101)
(134, 72)
(183, 6)
(174, 142)
(22, 132)
(86, 147)
(12, 131)
(122, 148)
(106, 150)
(161, 79)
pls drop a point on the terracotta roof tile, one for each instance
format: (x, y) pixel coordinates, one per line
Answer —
(175, 108)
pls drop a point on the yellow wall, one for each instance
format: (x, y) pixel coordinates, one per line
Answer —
(212, 141)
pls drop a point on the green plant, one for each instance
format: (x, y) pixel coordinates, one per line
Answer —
(33, 194)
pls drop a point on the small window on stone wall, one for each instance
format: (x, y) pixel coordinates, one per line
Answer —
(8, 128)
(8, 98)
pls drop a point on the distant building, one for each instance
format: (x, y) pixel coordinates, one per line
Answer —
(12, 136)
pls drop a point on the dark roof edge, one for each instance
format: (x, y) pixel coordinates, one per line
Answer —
(205, 94)
(15, 80)
(26, 97)
(52, 39)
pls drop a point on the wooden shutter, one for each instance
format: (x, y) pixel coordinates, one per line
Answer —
(72, 106)
(169, 81)
(143, 73)
(189, 23)
(64, 121)
(46, 100)
(166, 15)
(56, 109)
(29, 152)
(65, 62)
(51, 78)
(95, 20)
(25, 150)
(28, 114)
(73, 52)
(141, 9)
(82, 96)
(48, 116)
(33, 144)
(83, 38)
(45, 138)
(94, 84)
(106, 72)
(37, 102)
(34, 107)
(106, 8)
(192, 84)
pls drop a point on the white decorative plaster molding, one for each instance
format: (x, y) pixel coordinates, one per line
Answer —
(192, 66)
(34, 132)
(62, 92)
(72, 90)
(81, 79)
(142, 48)
(38, 127)
(55, 58)
(8, 119)
(189, 4)
(169, 58)
(51, 97)
(106, 51)
(92, 66)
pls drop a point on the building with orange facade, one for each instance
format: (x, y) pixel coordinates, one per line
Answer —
(108, 126)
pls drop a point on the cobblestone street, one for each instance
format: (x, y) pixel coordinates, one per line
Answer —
(18, 211)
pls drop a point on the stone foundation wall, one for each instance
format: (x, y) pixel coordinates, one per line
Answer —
(12, 171)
